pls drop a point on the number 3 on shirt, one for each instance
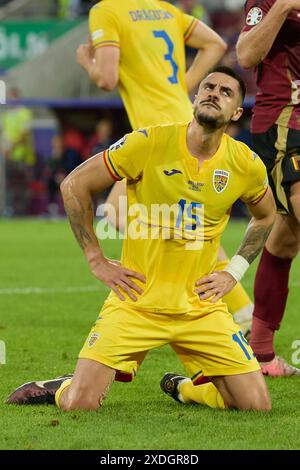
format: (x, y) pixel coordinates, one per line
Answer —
(169, 56)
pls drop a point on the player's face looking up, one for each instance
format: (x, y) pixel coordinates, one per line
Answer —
(218, 101)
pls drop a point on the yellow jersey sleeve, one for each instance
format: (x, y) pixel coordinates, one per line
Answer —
(187, 22)
(127, 157)
(104, 26)
(257, 181)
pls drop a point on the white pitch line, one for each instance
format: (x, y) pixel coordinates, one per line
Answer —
(76, 290)
(51, 290)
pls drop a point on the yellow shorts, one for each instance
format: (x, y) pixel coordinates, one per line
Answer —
(205, 340)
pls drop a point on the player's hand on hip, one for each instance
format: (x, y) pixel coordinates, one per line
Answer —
(118, 278)
(215, 285)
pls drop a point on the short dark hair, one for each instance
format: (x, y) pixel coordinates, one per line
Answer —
(232, 73)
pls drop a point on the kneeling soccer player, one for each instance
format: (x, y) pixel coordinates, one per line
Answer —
(182, 180)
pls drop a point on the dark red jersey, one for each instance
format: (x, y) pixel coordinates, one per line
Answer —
(278, 75)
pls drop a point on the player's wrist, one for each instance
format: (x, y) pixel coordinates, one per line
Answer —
(237, 267)
(95, 258)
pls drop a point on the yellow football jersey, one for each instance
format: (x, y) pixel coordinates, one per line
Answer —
(176, 214)
(151, 36)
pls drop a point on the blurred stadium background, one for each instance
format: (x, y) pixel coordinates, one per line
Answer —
(54, 117)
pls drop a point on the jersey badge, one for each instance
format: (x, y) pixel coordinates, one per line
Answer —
(220, 180)
(254, 16)
(118, 144)
(93, 338)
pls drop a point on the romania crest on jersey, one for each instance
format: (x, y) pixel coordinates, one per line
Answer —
(93, 338)
(220, 180)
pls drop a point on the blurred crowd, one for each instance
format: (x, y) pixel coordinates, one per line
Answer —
(32, 180)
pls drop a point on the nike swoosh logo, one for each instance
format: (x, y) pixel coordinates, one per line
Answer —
(172, 172)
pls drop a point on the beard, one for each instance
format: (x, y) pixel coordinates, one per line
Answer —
(208, 120)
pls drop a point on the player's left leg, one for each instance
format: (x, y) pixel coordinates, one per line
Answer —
(183, 390)
(216, 347)
(243, 391)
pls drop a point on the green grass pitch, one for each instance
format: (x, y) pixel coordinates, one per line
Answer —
(44, 330)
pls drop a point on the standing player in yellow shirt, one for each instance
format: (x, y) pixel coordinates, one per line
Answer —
(166, 291)
(140, 46)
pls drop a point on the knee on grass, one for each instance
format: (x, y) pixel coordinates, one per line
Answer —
(80, 400)
(255, 402)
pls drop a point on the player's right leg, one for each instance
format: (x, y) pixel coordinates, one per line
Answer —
(87, 389)
(115, 348)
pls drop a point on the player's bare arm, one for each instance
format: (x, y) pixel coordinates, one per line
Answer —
(102, 64)
(211, 49)
(77, 189)
(254, 45)
(218, 284)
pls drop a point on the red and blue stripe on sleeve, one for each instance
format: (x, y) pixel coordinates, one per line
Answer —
(110, 166)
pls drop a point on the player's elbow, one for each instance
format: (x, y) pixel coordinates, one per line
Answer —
(270, 220)
(245, 62)
(222, 45)
(245, 59)
(217, 46)
(65, 185)
(107, 83)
